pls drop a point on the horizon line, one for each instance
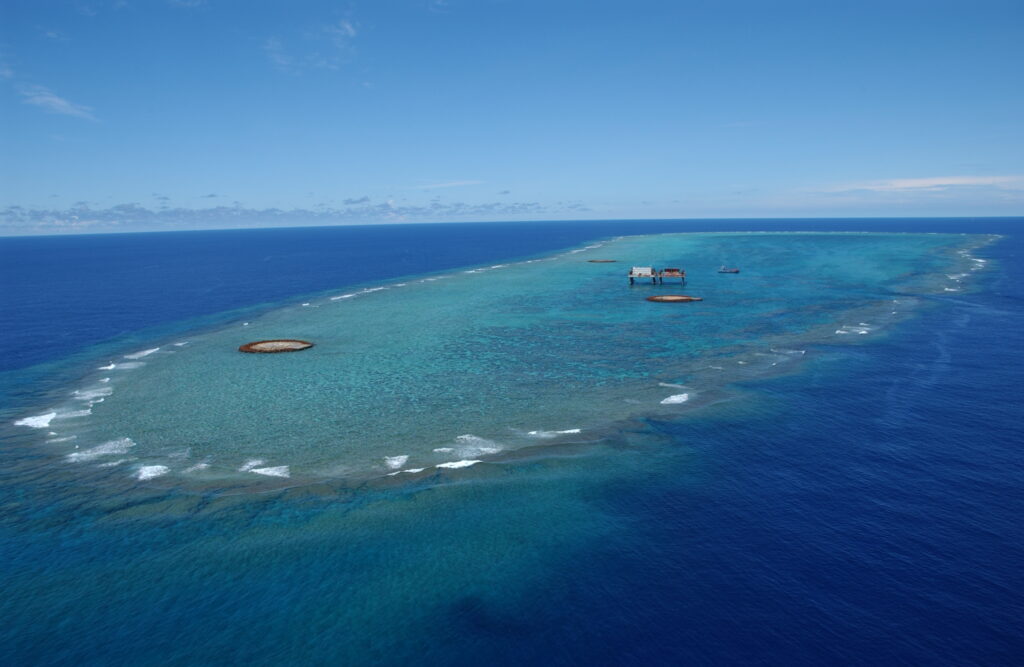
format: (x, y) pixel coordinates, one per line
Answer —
(487, 222)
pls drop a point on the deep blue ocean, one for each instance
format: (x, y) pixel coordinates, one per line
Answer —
(863, 509)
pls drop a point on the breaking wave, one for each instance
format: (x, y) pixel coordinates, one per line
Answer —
(39, 421)
(552, 434)
(149, 472)
(143, 353)
(458, 464)
(275, 471)
(473, 445)
(250, 464)
(119, 446)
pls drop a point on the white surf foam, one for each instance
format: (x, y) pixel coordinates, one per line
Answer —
(39, 421)
(677, 398)
(553, 434)
(113, 464)
(444, 450)
(64, 439)
(149, 472)
(343, 296)
(197, 467)
(669, 384)
(276, 471)
(119, 446)
(250, 464)
(104, 380)
(92, 393)
(458, 464)
(109, 367)
(409, 470)
(181, 344)
(474, 445)
(143, 353)
(395, 462)
(71, 414)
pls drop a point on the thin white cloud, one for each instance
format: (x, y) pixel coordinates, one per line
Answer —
(933, 184)
(46, 99)
(328, 46)
(274, 49)
(447, 184)
(341, 30)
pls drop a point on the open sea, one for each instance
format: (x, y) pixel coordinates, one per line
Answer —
(499, 452)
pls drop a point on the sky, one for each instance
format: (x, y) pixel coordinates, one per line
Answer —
(130, 115)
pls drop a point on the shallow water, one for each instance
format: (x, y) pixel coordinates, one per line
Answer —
(457, 368)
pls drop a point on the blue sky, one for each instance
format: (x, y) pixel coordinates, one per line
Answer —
(163, 114)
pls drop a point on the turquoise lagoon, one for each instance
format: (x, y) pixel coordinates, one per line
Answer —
(449, 374)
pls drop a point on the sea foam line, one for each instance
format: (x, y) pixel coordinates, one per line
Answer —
(39, 421)
(552, 434)
(274, 471)
(143, 353)
(149, 472)
(458, 464)
(474, 445)
(350, 295)
(71, 414)
(250, 464)
(119, 446)
(93, 393)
